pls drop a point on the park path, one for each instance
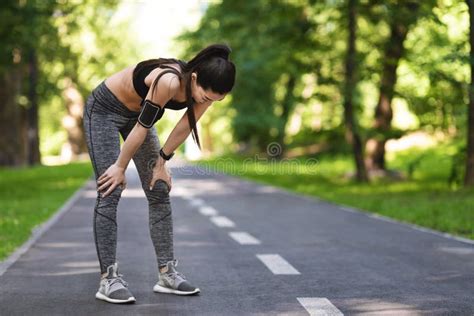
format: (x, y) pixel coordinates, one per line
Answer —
(252, 250)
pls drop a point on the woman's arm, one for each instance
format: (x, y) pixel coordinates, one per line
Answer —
(134, 140)
(115, 174)
(182, 129)
(177, 136)
(166, 88)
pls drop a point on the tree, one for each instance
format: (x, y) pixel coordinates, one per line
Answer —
(270, 42)
(469, 174)
(42, 55)
(350, 86)
(403, 15)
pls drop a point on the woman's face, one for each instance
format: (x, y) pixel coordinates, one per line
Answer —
(200, 95)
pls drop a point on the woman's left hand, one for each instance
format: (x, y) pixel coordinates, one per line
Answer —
(160, 171)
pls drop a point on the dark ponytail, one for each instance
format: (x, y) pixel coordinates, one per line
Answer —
(215, 72)
(217, 50)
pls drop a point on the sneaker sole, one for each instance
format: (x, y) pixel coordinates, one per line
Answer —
(101, 296)
(160, 289)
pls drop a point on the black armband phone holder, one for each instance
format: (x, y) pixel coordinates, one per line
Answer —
(150, 113)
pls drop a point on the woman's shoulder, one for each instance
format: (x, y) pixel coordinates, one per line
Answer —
(154, 63)
(168, 72)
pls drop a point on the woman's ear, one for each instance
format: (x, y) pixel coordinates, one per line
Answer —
(193, 76)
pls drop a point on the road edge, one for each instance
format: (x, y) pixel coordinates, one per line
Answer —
(40, 229)
(348, 208)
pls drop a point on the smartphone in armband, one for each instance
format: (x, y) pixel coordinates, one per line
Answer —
(150, 113)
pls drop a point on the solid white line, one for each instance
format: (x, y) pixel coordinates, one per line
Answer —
(207, 210)
(244, 238)
(40, 229)
(382, 218)
(222, 221)
(348, 209)
(314, 199)
(413, 226)
(277, 264)
(319, 306)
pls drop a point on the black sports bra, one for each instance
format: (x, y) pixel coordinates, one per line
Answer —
(142, 89)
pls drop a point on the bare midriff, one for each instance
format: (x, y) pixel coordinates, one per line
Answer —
(121, 85)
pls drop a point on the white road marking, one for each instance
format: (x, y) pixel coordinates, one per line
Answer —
(277, 264)
(348, 209)
(196, 202)
(319, 306)
(182, 192)
(133, 193)
(222, 221)
(244, 238)
(457, 250)
(382, 218)
(207, 210)
(413, 226)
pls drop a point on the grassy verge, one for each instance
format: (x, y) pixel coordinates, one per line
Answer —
(426, 199)
(29, 196)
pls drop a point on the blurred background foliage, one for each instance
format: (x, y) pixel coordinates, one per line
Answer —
(291, 75)
(409, 84)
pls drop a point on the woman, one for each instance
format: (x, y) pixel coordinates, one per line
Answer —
(124, 104)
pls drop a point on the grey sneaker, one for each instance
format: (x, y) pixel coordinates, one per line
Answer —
(172, 281)
(113, 288)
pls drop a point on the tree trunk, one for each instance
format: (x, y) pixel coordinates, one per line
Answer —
(352, 134)
(12, 150)
(394, 51)
(286, 105)
(469, 175)
(32, 136)
(72, 122)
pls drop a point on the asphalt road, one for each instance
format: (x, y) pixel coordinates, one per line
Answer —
(252, 250)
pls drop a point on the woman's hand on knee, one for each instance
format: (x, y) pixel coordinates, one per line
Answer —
(160, 171)
(111, 178)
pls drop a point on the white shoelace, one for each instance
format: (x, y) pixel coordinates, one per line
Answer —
(175, 273)
(117, 279)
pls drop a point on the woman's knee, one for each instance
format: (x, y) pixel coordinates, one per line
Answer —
(159, 192)
(112, 198)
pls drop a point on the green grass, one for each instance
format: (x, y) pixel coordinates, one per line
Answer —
(426, 199)
(29, 196)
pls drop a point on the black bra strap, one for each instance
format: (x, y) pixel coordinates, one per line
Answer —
(161, 74)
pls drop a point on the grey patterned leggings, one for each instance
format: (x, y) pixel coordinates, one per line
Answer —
(104, 118)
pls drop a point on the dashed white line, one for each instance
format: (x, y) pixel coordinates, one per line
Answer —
(182, 192)
(222, 221)
(244, 238)
(277, 264)
(196, 202)
(133, 193)
(319, 306)
(207, 210)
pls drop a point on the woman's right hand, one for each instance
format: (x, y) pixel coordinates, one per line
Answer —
(111, 178)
